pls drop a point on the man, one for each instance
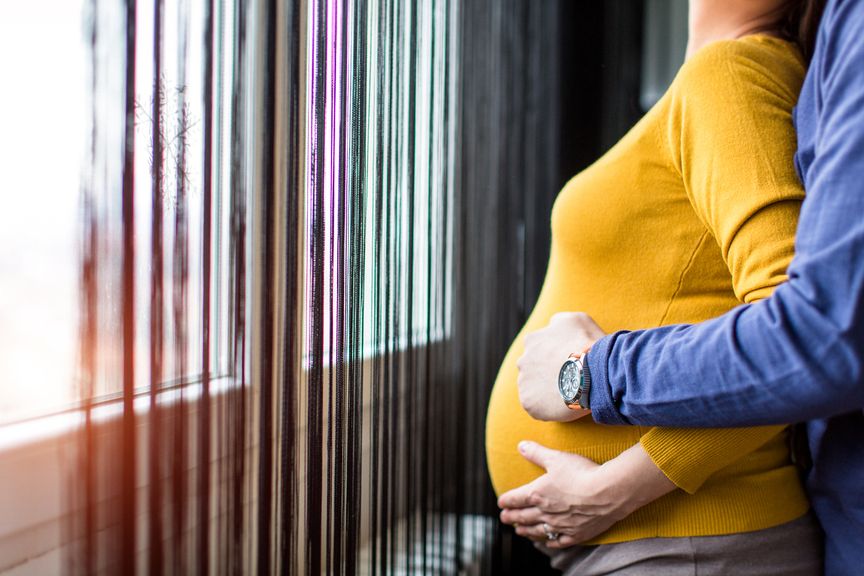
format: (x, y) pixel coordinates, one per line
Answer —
(796, 356)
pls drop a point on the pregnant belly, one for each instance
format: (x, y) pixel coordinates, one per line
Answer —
(507, 424)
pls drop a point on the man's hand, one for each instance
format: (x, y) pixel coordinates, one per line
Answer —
(577, 498)
(545, 353)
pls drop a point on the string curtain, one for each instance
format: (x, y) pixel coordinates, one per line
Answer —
(310, 230)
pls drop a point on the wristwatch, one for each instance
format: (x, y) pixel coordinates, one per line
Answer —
(574, 381)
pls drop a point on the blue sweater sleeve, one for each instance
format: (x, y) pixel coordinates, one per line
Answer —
(799, 354)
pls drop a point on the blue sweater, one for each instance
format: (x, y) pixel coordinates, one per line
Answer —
(798, 355)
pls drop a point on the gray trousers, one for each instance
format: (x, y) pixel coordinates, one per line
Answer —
(793, 549)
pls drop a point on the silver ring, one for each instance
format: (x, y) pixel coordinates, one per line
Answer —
(550, 534)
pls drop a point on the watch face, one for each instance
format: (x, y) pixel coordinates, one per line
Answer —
(569, 380)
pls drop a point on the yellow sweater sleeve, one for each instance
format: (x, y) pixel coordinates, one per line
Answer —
(730, 136)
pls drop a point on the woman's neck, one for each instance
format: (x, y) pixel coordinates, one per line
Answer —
(713, 20)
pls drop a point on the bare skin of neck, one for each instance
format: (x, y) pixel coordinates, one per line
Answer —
(713, 20)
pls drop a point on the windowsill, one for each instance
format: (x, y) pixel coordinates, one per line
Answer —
(31, 487)
(30, 431)
(35, 463)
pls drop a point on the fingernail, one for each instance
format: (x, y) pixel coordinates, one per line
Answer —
(523, 446)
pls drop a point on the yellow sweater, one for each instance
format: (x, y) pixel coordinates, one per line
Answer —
(692, 213)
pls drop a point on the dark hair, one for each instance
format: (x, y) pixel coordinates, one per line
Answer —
(798, 22)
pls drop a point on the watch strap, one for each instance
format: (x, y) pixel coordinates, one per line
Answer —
(585, 393)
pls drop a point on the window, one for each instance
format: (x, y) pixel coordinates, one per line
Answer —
(45, 130)
(42, 112)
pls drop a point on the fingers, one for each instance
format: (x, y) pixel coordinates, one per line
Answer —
(537, 454)
(537, 533)
(516, 498)
(524, 516)
(521, 497)
(563, 541)
(580, 317)
(520, 366)
(534, 532)
(581, 322)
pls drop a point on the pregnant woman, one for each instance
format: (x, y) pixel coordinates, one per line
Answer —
(692, 213)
